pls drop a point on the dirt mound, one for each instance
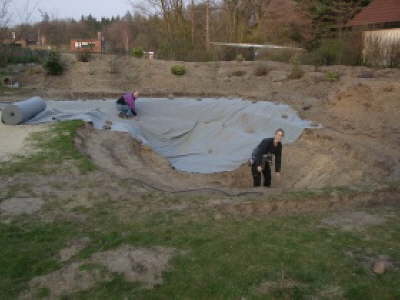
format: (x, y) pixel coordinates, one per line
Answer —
(144, 265)
(367, 109)
(328, 158)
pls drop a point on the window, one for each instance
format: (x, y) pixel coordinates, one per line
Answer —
(85, 45)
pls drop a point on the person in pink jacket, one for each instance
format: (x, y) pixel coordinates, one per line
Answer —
(126, 104)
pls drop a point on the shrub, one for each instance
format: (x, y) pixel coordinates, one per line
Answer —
(53, 65)
(137, 52)
(84, 56)
(178, 70)
(261, 71)
(332, 76)
(113, 65)
(16, 55)
(239, 57)
(238, 73)
(344, 51)
(297, 72)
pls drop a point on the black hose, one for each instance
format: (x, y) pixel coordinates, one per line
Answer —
(205, 189)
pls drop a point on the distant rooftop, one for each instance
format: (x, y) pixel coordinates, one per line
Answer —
(378, 11)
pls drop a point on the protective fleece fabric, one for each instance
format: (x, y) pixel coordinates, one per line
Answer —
(195, 135)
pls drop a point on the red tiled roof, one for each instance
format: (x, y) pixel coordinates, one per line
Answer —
(378, 11)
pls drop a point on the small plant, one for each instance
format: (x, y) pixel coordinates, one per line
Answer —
(297, 72)
(238, 73)
(113, 65)
(239, 58)
(178, 70)
(84, 56)
(261, 71)
(388, 89)
(53, 65)
(137, 52)
(332, 76)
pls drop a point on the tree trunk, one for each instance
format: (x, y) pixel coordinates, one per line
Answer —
(208, 25)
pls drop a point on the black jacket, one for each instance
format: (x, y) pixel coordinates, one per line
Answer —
(267, 146)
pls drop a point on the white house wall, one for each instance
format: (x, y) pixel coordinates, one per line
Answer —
(380, 46)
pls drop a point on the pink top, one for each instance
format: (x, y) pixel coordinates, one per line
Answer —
(130, 100)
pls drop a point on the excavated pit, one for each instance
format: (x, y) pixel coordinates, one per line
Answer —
(319, 158)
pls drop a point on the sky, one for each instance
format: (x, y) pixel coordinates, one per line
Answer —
(22, 10)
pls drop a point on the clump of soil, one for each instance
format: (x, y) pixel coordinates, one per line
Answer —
(372, 262)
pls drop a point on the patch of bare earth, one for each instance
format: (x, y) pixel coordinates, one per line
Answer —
(355, 220)
(13, 139)
(142, 265)
(73, 248)
(268, 287)
(20, 206)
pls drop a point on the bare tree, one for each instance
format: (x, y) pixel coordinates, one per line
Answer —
(4, 13)
(25, 13)
(175, 24)
(4, 17)
(207, 24)
(192, 15)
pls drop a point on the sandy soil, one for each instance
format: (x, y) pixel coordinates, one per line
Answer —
(13, 139)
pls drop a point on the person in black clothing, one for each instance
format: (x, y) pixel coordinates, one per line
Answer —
(262, 158)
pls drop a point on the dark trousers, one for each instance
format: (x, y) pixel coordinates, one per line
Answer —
(266, 171)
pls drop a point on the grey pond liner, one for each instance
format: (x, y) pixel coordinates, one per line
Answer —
(19, 112)
(195, 135)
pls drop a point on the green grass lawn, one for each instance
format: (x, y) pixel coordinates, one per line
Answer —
(225, 259)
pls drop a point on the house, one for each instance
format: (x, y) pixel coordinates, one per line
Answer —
(27, 39)
(379, 14)
(379, 23)
(88, 45)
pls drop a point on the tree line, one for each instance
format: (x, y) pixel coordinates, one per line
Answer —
(183, 29)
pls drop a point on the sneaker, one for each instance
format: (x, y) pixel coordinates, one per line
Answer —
(122, 115)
